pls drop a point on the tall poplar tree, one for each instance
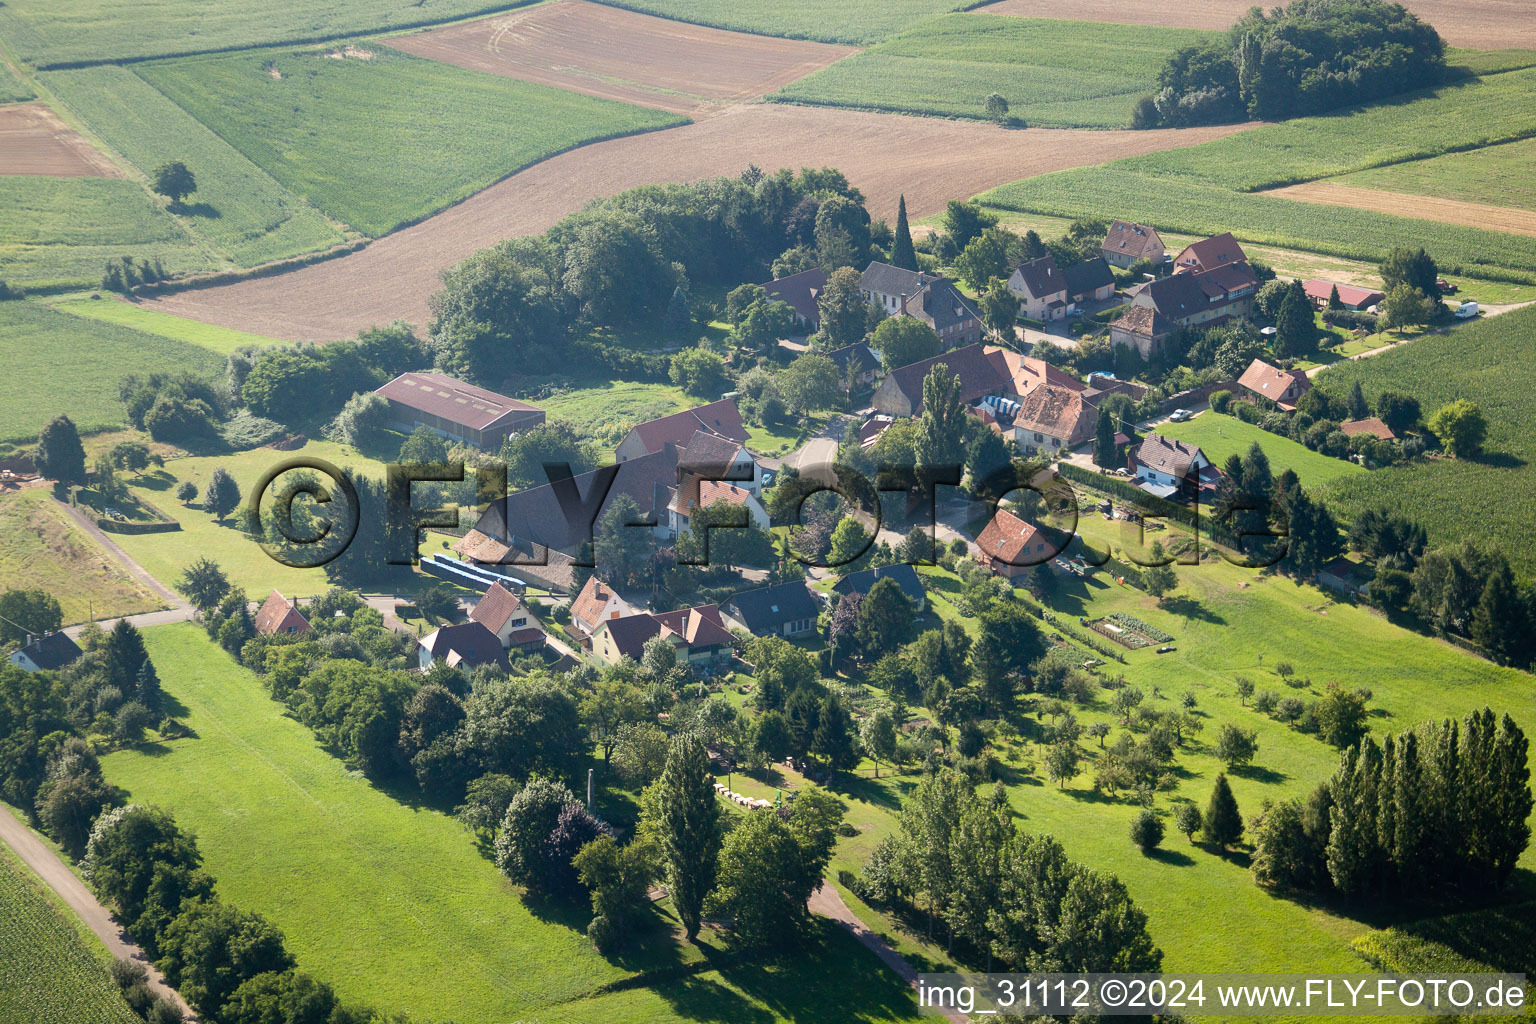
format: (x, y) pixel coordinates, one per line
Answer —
(902, 253)
(681, 815)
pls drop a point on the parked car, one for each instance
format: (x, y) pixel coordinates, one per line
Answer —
(1180, 415)
(1446, 287)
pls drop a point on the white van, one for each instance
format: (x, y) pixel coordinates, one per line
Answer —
(1467, 310)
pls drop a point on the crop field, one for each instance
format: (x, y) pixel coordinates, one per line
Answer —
(128, 314)
(291, 834)
(314, 120)
(1223, 436)
(243, 214)
(34, 141)
(929, 160)
(1478, 24)
(622, 55)
(49, 32)
(1445, 211)
(1061, 74)
(41, 548)
(1491, 498)
(60, 232)
(59, 363)
(858, 22)
(1495, 176)
(12, 89)
(48, 975)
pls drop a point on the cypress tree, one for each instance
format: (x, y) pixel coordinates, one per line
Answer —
(685, 821)
(902, 253)
(1223, 821)
(1358, 409)
(1104, 440)
(1510, 799)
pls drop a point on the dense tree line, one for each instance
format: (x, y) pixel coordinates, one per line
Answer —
(1441, 808)
(1309, 57)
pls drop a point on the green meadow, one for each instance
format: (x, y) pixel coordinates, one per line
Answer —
(1062, 74)
(378, 138)
(1223, 436)
(59, 363)
(212, 337)
(12, 89)
(856, 22)
(607, 411)
(238, 211)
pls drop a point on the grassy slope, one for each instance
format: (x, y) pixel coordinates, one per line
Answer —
(606, 412)
(40, 548)
(288, 832)
(1052, 73)
(52, 31)
(48, 975)
(238, 208)
(62, 231)
(321, 129)
(64, 364)
(13, 89)
(1498, 176)
(858, 22)
(1491, 499)
(1221, 436)
(209, 336)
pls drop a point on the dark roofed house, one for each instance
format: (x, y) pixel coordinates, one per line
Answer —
(1201, 297)
(1142, 328)
(939, 304)
(1209, 253)
(1127, 244)
(280, 615)
(1169, 468)
(698, 634)
(1041, 288)
(720, 417)
(466, 644)
(45, 653)
(904, 576)
(801, 292)
(456, 410)
(1274, 384)
(504, 614)
(865, 364)
(1089, 281)
(888, 287)
(789, 609)
(901, 393)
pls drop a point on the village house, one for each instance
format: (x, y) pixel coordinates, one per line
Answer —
(789, 610)
(463, 645)
(595, 604)
(1350, 297)
(697, 634)
(904, 576)
(857, 360)
(1199, 297)
(52, 650)
(1010, 547)
(939, 304)
(1142, 328)
(1168, 468)
(1053, 418)
(716, 457)
(889, 287)
(696, 493)
(456, 410)
(722, 418)
(504, 614)
(1041, 289)
(901, 393)
(1272, 384)
(1127, 244)
(1371, 426)
(278, 614)
(800, 293)
(1025, 373)
(1209, 254)
(1089, 281)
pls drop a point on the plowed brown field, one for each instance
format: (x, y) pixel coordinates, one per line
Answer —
(928, 159)
(34, 141)
(1447, 211)
(622, 55)
(1478, 24)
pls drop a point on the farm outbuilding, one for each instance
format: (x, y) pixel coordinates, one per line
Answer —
(457, 410)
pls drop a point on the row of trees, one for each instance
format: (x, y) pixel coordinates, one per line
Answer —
(1441, 808)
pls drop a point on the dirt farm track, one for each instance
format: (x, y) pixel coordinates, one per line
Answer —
(929, 159)
(1447, 211)
(621, 55)
(1476, 24)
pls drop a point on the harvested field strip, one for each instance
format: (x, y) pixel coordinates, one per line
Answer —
(929, 160)
(316, 122)
(1479, 24)
(1051, 73)
(34, 141)
(245, 215)
(621, 55)
(1445, 211)
(1501, 176)
(128, 314)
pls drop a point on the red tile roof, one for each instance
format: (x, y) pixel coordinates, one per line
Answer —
(1371, 425)
(1056, 411)
(1273, 383)
(1008, 538)
(594, 597)
(698, 627)
(496, 608)
(278, 614)
(1028, 372)
(720, 417)
(1210, 253)
(1356, 298)
(1136, 241)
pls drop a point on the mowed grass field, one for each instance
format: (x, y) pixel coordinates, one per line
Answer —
(1490, 499)
(47, 32)
(41, 548)
(377, 138)
(238, 211)
(857, 22)
(396, 907)
(59, 233)
(178, 328)
(56, 363)
(48, 975)
(1223, 436)
(1059, 74)
(1498, 176)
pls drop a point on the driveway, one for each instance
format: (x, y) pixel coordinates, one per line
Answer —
(88, 524)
